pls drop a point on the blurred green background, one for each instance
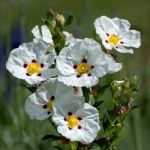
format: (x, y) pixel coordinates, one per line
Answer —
(18, 17)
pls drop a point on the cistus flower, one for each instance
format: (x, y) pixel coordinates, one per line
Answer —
(83, 62)
(45, 34)
(76, 120)
(115, 33)
(40, 104)
(31, 62)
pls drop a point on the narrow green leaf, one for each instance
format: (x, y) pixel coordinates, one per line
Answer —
(51, 137)
(69, 20)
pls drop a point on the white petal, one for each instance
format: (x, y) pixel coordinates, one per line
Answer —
(47, 36)
(77, 51)
(36, 32)
(17, 71)
(123, 49)
(84, 80)
(106, 24)
(106, 65)
(67, 103)
(64, 65)
(69, 38)
(47, 89)
(18, 57)
(63, 89)
(34, 107)
(132, 39)
(47, 73)
(122, 25)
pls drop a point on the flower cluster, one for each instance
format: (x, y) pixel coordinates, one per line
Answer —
(60, 76)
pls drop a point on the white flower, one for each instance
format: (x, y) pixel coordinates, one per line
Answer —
(45, 35)
(76, 120)
(115, 34)
(31, 62)
(83, 63)
(39, 105)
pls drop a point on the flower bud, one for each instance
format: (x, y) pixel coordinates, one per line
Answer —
(120, 110)
(115, 87)
(134, 82)
(60, 19)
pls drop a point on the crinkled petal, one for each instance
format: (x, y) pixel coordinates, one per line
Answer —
(123, 49)
(67, 103)
(106, 65)
(106, 24)
(36, 32)
(84, 80)
(77, 51)
(69, 37)
(47, 36)
(132, 39)
(64, 65)
(122, 25)
(34, 107)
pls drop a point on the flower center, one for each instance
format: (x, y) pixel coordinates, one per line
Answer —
(113, 39)
(33, 68)
(83, 68)
(72, 121)
(50, 105)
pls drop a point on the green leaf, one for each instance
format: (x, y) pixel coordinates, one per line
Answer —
(50, 14)
(30, 88)
(86, 92)
(102, 90)
(69, 20)
(98, 104)
(134, 107)
(57, 147)
(51, 137)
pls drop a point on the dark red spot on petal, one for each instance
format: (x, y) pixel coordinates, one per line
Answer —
(116, 46)
(79, 118)
(122, 42)
(89, 74)
(106, 41)
(79, 127)
(27, 74)
(78, 76)
(69, 128)
(69, 113)
(53, 97)
(75, 66)
(42, 65)
(33, 61)
(45, 106)
(92, 67)
(65, 119)
(39, 74)
(84, 60)
(25, 65)
(48, 112)
(107, 34)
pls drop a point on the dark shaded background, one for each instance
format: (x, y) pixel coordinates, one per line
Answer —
(18, 17)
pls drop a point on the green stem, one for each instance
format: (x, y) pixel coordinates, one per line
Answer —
(74, 145)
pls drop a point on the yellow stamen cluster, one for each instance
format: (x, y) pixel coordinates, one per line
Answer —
(33, 68)
(72, 121)
(113, 39)
(50, 105)
(83, 68)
